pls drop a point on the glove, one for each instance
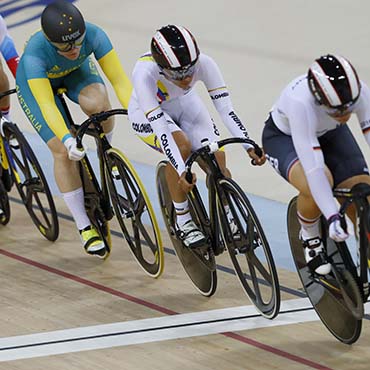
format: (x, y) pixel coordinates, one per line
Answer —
(74, 154)
(338, 228)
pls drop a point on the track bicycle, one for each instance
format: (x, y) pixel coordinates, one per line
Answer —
(20, 167)
(339, 297)
(119, 193)
(248, 248)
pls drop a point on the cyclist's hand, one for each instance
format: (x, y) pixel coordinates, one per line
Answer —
(74, 154)
(258, 161)
(184, 184)
(338, 228)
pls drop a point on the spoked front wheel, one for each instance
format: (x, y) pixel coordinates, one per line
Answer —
(134, 213)
(31, 183)
(199, 266)
(248, 248)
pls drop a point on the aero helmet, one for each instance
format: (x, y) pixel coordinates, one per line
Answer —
(174, 48)
(334, 82)
(62, 22)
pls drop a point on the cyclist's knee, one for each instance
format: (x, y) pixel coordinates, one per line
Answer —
(57, 148)
(94, 99)
(183, 143)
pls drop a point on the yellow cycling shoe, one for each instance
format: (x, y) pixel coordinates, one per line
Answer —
(92, 242)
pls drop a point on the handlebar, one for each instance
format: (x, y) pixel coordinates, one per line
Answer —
(358, 191)
(211, 147)
(8, 92)
(95, 119)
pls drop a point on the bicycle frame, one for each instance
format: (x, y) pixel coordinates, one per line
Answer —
(89, 180)
(358, 197)
(206, 154)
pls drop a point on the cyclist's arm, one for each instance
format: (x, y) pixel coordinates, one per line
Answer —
(213, 80)
(115, 73)
(146, 90)
(7, 48)
(43, 93)
(363, 111)
(309, 153)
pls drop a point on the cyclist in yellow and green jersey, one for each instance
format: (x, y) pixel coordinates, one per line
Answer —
(61, 55)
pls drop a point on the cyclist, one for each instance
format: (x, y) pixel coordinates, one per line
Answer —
(308, 142)
(167, 113)
(10, 55)
(60, 55)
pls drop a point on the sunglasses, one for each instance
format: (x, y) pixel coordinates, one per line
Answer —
(179, 74)
(68, 46)
(340, 111)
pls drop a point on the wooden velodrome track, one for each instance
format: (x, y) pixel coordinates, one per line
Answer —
(62, 309)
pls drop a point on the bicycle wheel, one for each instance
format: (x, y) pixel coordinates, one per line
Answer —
(195, 264)
(31, 183)
(135, 213)
(249, 250)
(4, 205)
(324, 292)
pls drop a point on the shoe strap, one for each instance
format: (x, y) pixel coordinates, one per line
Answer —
(317, 261)
(312, 243)
(183, 234)
(90, 241)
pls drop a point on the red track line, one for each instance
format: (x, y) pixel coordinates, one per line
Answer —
(276, 351)
(161, 309)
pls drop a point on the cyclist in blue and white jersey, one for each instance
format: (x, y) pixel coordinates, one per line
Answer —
(167, 113)
(308, 142)
(10, 54)
(60, 55)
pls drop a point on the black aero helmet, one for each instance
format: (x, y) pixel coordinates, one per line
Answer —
(333, 82)
(174, 47)
(62, 22)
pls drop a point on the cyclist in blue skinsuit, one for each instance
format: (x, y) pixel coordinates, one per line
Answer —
(60, 55)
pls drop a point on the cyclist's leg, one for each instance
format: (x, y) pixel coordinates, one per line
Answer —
(192, 236)
(65, 171)
(348, 166)
(4, 86)
(86, 88)
(282, 156)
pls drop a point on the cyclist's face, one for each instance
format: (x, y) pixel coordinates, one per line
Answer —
(72, 54)
(342, 118)
(184, 83)
(340, 115)
(70, 50)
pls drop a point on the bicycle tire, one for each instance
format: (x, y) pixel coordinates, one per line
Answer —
(4, 205)
(203, 278)
(31, 183)
(249, 250)
(135, 213)
(335, 316)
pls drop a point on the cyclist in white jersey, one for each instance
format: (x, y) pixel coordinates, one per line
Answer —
(168, 114)
(10, 54)
(308, 142)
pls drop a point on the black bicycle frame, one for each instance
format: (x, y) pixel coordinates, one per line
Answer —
(358, 196)
(214, 190)
(89, 180)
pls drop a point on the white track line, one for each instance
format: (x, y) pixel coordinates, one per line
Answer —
(152, 330)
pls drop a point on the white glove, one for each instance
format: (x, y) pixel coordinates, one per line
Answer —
(74, 154)
(336, 231)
